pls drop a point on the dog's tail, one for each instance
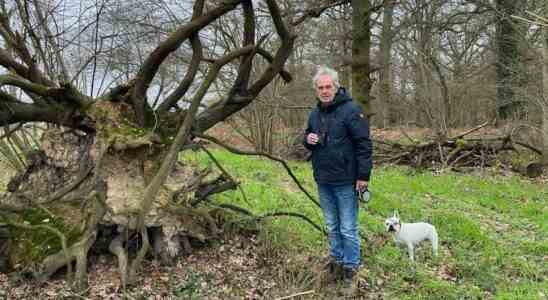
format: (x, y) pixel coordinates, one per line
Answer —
(434, 241)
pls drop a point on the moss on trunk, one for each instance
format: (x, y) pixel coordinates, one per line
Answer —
(31, 246)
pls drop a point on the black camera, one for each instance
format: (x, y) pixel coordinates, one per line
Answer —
(363, 195)
(322, 138)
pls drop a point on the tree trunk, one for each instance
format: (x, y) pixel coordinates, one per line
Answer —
(385, 61)
(508, 65)
(544, 101)
(345, 71)
(423, 91)
(361, 46)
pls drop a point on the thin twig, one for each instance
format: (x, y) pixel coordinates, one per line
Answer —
(408, 136)
(532, 148)
(270, 215)
(218, 164)
(70, 294)
(296, 295)
(529, 21)
(235, 208)
(296, 215)
(238, 151)
(470, 131)
(8, 132)
(95, 50)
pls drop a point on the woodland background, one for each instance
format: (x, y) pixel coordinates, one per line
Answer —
(104, 105)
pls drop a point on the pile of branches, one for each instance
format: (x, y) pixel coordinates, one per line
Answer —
(456, 153)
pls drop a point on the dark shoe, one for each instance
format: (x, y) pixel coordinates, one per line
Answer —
(349, 281)
(334, 269)
(348, 274)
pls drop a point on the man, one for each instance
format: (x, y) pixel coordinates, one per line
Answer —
(338, 136)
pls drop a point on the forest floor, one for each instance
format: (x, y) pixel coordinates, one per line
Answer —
(232, 268)
(493, 228)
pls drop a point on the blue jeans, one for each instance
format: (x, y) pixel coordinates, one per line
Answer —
(340, 209)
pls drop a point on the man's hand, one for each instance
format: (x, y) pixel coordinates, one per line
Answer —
(361, 185)
(312, 138)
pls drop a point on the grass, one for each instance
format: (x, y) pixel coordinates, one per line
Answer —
(493, 231)
(493, 228)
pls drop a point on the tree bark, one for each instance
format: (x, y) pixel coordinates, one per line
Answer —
(423, 91)
(544, 101)
(508, 64)
(384, 75)
(361, 47)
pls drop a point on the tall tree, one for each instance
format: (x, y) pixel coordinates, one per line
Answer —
(385, 82)
(544, 99)
(361, 48)
(507, 65)
(424, 35)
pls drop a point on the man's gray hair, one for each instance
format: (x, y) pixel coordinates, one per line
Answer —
(324, 70)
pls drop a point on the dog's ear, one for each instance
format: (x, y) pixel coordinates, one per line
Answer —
(396, 214)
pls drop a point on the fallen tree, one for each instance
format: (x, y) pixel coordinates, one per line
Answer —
(456, 153)
(107, 173)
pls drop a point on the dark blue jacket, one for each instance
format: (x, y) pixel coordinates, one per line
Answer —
(344, 152)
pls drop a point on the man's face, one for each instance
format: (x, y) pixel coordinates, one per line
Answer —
(325, 88)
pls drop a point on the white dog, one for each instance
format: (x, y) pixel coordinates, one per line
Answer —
(410, 234)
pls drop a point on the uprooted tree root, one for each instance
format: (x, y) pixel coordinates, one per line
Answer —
(78, 183)
(116, 161)
(131, 247)
(88, 206)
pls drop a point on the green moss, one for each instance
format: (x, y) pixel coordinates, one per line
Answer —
(111, 123)
(32, 246)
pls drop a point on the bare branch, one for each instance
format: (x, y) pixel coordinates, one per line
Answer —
(152, 62)
(286, 76)
(96, 45)
(197, 55)
(16, 112)
(22, 83)
(37, 45)
(183, 133)
(62, 94)
(238, 99)
(241, 152)
(295, 215)
(241, 83)
(8, 132)
(16, 42)
(53, 44)
(317, 11)
(9, 63)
